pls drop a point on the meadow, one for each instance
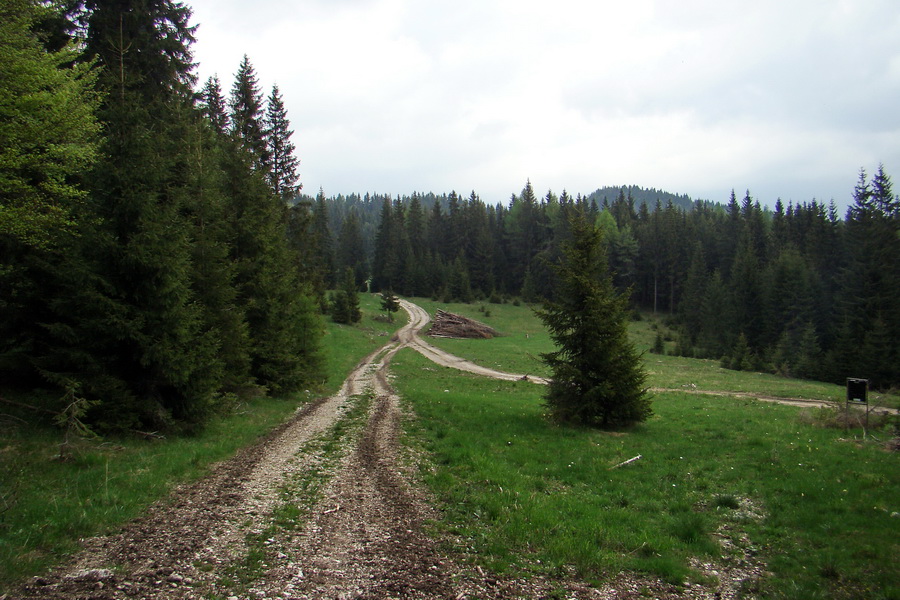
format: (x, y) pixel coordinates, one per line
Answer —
(523, 338)
(816, 508)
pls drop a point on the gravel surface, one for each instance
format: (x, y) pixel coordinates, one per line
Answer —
(361, 533)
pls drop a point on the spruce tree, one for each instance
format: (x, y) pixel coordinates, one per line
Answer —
(281, 314)
(345, 307)
(247, 115)
(597, 376)
(389, 304)
(48, 143)
(131, 327)
(48, 131)
(868, 310)
(324, 245)
(282, 164)
(213, 106)
(351, 249)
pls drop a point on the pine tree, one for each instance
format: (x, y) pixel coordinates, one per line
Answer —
(282, 164)
(345, 306)
(213, 106)
(323, 243)
(281, 313)
(48, 132)
(390, 304)
(247, 116)
(597, 376)
(868, 310)
(132, 327)
(350, 250)
(214, 271)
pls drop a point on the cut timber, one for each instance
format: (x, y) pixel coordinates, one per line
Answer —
(449, 325)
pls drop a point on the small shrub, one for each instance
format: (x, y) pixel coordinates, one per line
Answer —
(726, 501)
(659, 346)
(689, 527)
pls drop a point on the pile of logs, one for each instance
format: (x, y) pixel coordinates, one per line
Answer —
(449, 325)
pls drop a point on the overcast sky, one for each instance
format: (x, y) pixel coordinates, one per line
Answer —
(786, 98)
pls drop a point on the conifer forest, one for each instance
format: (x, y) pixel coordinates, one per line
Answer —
(158, 261)
(797, 290)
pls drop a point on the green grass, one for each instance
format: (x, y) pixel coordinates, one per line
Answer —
(346, 345)
(53, 504)
(46, 505)
(517, 350)
(517, 489)
(523, 339)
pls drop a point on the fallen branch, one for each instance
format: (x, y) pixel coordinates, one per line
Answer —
(627, 462)
(331, 510)
(148, 435)
(28, 406)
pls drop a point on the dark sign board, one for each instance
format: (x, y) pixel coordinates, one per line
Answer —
(857, 390)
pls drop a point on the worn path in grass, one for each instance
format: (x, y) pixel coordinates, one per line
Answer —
(420, 319)
(800, 402)
(362, 536)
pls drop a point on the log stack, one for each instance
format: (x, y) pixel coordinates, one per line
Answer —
(450, 325)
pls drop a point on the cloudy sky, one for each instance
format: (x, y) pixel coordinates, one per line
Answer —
(784, 98)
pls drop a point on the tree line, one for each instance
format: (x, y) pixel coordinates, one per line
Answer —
(797, 289)
(158, 264)
(147, 272)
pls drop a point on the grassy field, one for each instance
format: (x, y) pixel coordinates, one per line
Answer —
(523, 339)
(817, 506)
(47, 505)
(818, 509)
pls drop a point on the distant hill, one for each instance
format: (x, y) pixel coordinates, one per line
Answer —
(641, 196)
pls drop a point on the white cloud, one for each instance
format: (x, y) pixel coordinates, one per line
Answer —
(697, 97)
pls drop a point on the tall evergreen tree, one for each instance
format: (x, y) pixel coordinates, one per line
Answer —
(323, 242)
(350, 252)
(48, 143)
(213, 105)
(143, 347)
(868, 343)
(282, 163)
(597, 376)
(49, 131)
(247, 115)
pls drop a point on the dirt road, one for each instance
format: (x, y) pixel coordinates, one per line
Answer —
(323, 507)
(361, 536)
(419, 318)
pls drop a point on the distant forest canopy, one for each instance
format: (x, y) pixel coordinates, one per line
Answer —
(797, 290)
(369, 204)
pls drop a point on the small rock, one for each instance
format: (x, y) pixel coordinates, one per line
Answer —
(91, 575)
(174, 578)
